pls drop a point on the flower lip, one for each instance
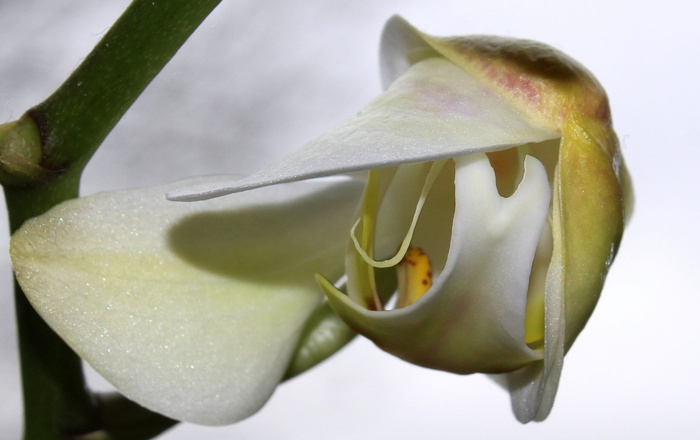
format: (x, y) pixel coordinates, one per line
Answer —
(472, 319)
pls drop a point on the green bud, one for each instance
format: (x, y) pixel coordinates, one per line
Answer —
(21, 153)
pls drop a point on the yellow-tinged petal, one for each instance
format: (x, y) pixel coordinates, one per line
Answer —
(592, 214)
(587, 223)
(190, 309)
(544, 83)
(591, 188)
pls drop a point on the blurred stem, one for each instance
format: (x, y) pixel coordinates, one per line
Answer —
(38, 172)
(122, 419)
(325, 333)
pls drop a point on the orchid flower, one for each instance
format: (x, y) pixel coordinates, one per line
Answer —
(494, 189)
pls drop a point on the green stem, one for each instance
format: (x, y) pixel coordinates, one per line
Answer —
(55, 399)
(325, 333)
(41, 171)
(122, 419)
(79, 115)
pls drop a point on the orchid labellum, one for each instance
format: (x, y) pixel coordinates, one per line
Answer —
(494, 189)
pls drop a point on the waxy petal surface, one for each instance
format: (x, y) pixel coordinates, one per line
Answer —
(472, 319)
(589, 186)
(544, 83)
(434, 111)
(192, 310)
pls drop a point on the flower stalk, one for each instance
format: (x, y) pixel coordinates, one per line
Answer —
(41, 159)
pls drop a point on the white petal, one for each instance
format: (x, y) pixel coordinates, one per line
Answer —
(473, 318)
(434, 111)
(401, 46)
(534, 387)
(192, 310)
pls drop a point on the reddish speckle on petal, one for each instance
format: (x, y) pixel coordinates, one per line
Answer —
(529, 90)
(510, 80)
(603, 112)
(492, 72)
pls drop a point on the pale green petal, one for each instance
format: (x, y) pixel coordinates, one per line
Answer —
(434, 111)
(534, 387)
(192, 310)
(587, 223)
(472, 319)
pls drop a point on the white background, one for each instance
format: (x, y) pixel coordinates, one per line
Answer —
(259, 78)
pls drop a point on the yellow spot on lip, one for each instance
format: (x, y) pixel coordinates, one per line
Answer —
(415, 277)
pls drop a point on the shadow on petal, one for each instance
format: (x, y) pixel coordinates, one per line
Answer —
(266, 242)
